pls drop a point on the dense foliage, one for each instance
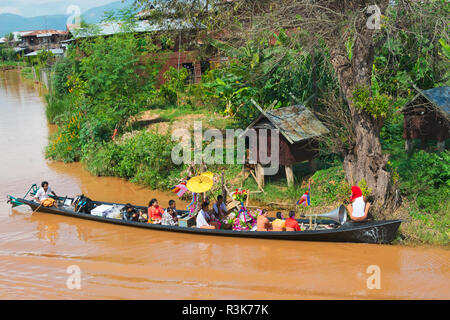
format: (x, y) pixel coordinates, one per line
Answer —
(104, 82)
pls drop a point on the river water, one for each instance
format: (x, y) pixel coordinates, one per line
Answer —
(119, 262)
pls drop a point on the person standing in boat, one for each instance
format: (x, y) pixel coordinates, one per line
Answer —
(42, 195)
(358, 207)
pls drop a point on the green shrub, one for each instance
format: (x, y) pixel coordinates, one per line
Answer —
(174, 82)
(144, 158)
(329, 185)
(60, 76)
(425, 178)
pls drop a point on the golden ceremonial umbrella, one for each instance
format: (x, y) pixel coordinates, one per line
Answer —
(208, 174)
(199, 184)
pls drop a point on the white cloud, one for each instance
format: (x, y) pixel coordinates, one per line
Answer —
(14, 10)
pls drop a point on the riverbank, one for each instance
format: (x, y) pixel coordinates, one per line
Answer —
(124, 158)
(24, 68)
(122, 99)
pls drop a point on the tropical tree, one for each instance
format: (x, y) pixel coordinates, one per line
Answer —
(351, 31)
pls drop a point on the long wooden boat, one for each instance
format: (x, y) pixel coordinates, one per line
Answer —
(362, 232)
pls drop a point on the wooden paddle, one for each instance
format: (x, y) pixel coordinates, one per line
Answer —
(40, 205)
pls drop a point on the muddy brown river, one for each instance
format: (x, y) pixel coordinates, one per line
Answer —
(118, 262)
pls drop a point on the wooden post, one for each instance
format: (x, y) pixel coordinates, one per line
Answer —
(224, 191)
(408, 145)
(289, 175)
(260, 175)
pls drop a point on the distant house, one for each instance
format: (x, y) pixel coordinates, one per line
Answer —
(299, 130)
(41, 39)
(427, 117)
(177, 58)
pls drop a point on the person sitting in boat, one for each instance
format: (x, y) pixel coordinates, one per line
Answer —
(129, 213)
(220, 209)
(203, 219)
(279, 224)
(42, 195)
(169, 217)
(291, 223)
(155, 212)
(262, 222)
(358, 207)
(143, 216)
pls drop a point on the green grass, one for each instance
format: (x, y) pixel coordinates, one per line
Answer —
(11, 64)
(57, 108)
(27, 73)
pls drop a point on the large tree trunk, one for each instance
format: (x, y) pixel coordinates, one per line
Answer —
(365, 159)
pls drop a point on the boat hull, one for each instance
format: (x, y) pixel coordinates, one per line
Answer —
(361, 232)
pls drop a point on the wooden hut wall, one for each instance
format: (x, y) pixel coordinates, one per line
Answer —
(421, 121)
(292, 153)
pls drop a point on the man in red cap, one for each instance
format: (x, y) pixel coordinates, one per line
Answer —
(358, 207)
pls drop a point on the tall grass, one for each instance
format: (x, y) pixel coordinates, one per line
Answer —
(57, 108)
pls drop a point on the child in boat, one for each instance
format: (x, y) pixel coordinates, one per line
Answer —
(279, 224)
(169, 217)
(358, 207)
(155, 212)
(143, 216)
(291, 223)
(262, 222)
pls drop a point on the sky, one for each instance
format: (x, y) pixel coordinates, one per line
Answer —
(32, 8)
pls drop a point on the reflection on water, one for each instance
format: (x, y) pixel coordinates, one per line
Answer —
(122, 262)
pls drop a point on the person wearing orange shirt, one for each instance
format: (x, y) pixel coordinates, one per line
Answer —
(291, 223)
(155, 212)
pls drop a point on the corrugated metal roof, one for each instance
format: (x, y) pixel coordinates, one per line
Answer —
(110, 28)
(54, 51)
(440, 96)
(296, 123)
(41, 33)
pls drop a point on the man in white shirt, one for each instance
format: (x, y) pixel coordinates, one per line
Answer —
(203, 218)
(43, 193)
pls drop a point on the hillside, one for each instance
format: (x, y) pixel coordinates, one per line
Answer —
(12, 22)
